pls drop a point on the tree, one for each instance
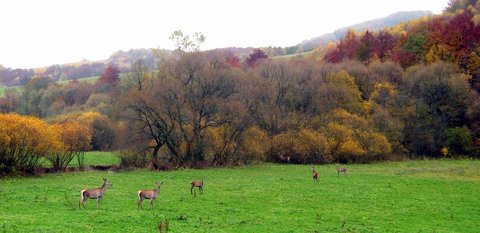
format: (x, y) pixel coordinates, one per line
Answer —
(23, 141)
(459, 140)
(366, 48)
(386, 44)
(254, 145)
(255, 58)
(346, 48)
(185, 101)
(186, 43)
(141, 76)
(109, 79)
(443, 98)
(75, 139)
(339, 91)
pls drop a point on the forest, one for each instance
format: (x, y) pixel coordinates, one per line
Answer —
(411, 90)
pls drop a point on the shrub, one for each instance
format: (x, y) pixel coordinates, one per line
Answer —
(459, 140)
(129, 159)
(23, 141)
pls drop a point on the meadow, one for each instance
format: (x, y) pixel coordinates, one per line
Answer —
(411, 196)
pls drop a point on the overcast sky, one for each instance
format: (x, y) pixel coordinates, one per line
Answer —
(39, 33)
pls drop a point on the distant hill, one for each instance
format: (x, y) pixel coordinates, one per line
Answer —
(373, 25)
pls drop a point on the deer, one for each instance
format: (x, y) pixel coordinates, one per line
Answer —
(314, 174)
(341, 169)
(284, 159)
(148, 194)
(197, 183)
(93, 193)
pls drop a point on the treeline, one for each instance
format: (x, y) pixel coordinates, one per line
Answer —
(20, 77)
(201, 109)
(451, 37)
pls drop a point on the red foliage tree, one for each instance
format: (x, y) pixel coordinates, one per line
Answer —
(385, 44)
(110, 76)
(346, 48)
(233, 61)
(462, 36)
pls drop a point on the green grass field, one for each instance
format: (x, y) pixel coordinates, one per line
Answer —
(92, 158)
(412, 196)
(91, 80)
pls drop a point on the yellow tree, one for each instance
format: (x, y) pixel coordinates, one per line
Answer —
(23, 141)
(254, 144)
(75, 139)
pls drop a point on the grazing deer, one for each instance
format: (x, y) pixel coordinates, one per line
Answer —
(197, 183)
(341, 169)
(284, 159)
(93, 193)
(314, 174)
(148, 194)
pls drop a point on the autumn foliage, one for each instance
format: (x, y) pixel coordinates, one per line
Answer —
(26, 140)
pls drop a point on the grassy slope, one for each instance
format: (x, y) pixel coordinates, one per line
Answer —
(290, 56)
(418, 196)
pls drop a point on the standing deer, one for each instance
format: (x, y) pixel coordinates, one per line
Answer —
(314, 174)
(284, 159)
(93, 193)
(148, 194)
(341, 169)
(197, 183)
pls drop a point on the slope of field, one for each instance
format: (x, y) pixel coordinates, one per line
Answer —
(414, 196)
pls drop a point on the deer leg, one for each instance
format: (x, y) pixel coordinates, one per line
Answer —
(201, 189)
(98, 201)
(139, 203)
(191, 189)
(151, 203)
(82, 202)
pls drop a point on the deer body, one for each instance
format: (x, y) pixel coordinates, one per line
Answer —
(198, 184)
(340, 170)
(148, 194)
(315, 175)
(93, 193)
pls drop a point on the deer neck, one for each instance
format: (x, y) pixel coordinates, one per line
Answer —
(104, 187)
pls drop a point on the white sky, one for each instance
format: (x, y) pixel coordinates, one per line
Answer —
(44, 32)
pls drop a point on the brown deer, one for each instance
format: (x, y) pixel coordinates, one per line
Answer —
(93, 193)
(197, 183)
(314, 174)
(148, 194)
(341, 169)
